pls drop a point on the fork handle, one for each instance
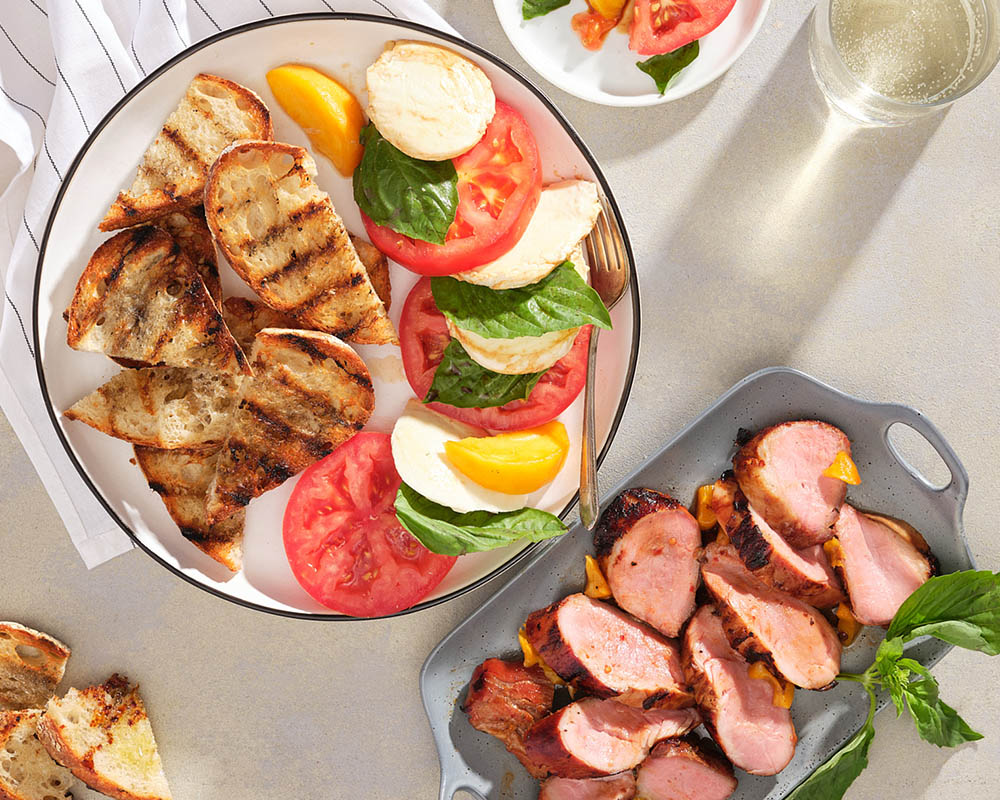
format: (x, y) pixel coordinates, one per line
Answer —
(588, 451)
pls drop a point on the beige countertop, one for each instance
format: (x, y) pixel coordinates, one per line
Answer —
(870, 260)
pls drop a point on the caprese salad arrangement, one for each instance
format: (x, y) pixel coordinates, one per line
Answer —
(665, 30)
(493, 338)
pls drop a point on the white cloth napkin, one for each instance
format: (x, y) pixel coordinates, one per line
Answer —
(63, 65)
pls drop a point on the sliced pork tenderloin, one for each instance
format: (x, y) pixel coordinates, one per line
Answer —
(594, 737)
(690, 768)
(648, 546)
(881, 561)
(505, 699)
(602, 650)
(805, 574)
(610, 787)
(793, 639)
(780, 470)
(739, 711)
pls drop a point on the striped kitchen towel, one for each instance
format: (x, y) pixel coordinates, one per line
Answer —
(63, 65)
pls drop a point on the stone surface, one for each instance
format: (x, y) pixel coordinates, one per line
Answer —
(764, 236)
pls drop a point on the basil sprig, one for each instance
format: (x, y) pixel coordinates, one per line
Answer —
(538, 8)
(664, 67)
(450, 533)
(416, 198)
(559, 301)
(461, 382)
(963, 609)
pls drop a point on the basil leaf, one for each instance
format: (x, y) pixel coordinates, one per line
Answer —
(538, 8)
(416, 198)
(831, 781)
(559, 301)
(962, 608)
(937, 722)
(663, 67)
(887, 659)
(450, 533)
(461, 382)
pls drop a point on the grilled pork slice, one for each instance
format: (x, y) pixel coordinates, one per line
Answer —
(792, 638)
(607, 653)
(213, 114)
(103, 736)
(594, 737)
(882, 561)
(28, 681)
(166, 407)
(505, 699)
(738, 710)
(283, 236)
(648, 545)
(140, 298)
(805, 574)
(190, 231)
(690, 768)
(780, 470)
(181, 479)
(608, 787)
(309, 393)
(27, 772)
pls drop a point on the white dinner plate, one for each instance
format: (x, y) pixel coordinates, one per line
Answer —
(609, 76)
(342, 45)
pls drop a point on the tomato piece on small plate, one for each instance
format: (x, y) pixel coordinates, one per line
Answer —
(423, 336)
(674, 23)
(499, 183)
(344, 544)
(592, 28)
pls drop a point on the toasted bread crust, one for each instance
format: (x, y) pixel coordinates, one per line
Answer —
(190, 231)
(29, 681)
(38, 771)
(184, 186)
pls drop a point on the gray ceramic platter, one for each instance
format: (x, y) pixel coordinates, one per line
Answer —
(479, 764)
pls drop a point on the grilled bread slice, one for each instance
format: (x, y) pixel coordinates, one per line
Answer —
(27, 772)
(213, 114)
(31, 665)
(103, 736)
(190, 231)
(283, 236)
(166, 407)
(247, 318)
(141, 298)
(310, 393)
(181, 479)
(377, 267)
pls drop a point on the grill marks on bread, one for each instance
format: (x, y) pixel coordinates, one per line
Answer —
(283, 236)
(310, 393)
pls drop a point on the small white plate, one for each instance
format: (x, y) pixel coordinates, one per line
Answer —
(343, 45)
(609, 76)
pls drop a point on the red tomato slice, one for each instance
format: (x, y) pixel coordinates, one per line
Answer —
(592, 28)
(343, 541)
(423, 336)
(499, 183)
(674, 23)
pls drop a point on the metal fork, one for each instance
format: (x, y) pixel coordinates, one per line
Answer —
(609, 277)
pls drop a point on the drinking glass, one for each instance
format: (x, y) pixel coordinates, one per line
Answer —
(888, 62)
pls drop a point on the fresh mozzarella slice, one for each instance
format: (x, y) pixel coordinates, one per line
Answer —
(566, 213)
(428, 101)
(418, 449)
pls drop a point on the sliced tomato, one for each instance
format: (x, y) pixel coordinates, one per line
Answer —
(674, 23)
(592, 28)
(343, 541)
(423, 336)
(499, 183)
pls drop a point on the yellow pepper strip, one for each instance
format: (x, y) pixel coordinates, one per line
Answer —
(609, 9)
(597, 584)
(843, 469)
(848, 627)
(834, 553)
(705, 515)
(782, 691)
(531, 658)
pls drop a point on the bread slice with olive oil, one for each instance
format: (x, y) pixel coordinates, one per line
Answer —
(27, 772)
(31, 665)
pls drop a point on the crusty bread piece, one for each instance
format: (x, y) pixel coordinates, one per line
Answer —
(181, 479)
(102, 734)
(140, 298)
(190, 231)
(27, 772)
(246, 318)
(31, 665)
(310, 393)
(213, 114)
(283, 236)
(377, 267)
(167, 407)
